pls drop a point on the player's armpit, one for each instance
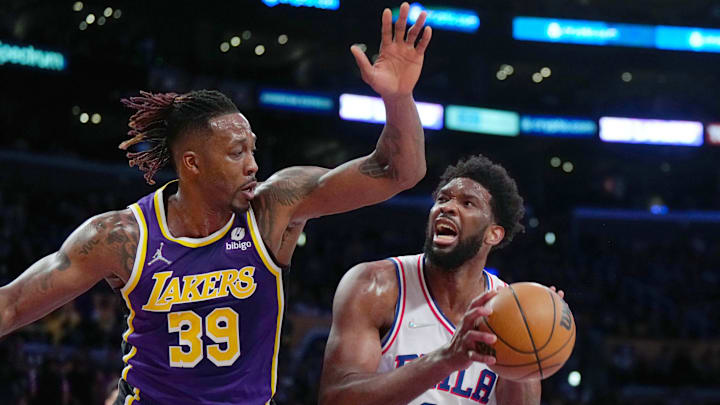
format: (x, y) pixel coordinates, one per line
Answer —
(103, 245)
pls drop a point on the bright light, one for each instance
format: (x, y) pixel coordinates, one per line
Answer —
(302, 239)
(568, 167)
(224, 47)
(78, 6)
(555, 161)
(117, 14)
(574, 378)
(76, 110)
(282, 39)
(96, 118)
(537, 77)
(90, 18)
(108, 12)
(550, 238)
(545, 72)
(482, 120)
(101, 20)
(83, 26)
(354, 107)
(323, 4)
(626, 76)
(259, 50)
(246, 35)
(646, 131)
(501, 75)
(32, 57)
(508, 69)
(84, 117)
(534, 222)
(550, 125)
(235, 41)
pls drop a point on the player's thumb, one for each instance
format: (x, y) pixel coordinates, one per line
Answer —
(361, 59)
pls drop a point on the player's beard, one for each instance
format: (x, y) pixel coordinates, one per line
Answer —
(461, 253)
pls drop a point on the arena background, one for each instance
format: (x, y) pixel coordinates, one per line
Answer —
(629, 231)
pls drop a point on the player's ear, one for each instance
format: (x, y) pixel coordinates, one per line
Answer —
(190, 162)
(494, 234)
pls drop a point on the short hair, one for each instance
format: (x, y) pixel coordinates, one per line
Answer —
(160, 119)
(506, 202)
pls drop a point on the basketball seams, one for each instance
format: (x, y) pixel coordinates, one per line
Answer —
(527, 327)
(552, 330)
(570, 338)
(503, 340)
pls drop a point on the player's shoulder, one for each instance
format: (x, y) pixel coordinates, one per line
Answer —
(112, 223)
(368, 290)
(379, 272)
(287, 184)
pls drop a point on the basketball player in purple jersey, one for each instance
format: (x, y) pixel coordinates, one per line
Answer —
(198, 262)
(403, 329)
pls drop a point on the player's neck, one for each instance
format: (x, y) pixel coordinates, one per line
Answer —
(190, 214)
(454, 290)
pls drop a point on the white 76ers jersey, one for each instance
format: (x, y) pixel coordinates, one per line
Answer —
(420, 328)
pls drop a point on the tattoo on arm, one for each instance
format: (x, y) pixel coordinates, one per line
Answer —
(380, 163)
(123, 237)
(375, 167)
(290, 190)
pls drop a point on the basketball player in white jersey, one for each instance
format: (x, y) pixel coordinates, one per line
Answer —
(403, 329)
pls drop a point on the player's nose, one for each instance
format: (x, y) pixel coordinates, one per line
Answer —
(251, 167)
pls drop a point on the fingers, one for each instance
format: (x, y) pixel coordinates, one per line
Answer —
(472, 339)
(401, 22)
(425, 40)
(473, 336)
(482, 299)
(415, 29)
(481, 358)
(386, 26)
(361, 59)
(561, 293)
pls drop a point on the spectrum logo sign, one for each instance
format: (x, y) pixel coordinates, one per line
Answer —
(713, 134)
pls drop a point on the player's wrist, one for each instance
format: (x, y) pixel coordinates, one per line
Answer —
(395, 98)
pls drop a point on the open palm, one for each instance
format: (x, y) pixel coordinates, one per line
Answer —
(398, 66)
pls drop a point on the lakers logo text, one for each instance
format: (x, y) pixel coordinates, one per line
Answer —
(168, 290)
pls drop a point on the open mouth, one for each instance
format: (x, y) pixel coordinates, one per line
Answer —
(249, 190)
(446, 232)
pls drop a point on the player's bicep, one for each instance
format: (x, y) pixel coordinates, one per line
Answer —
(86, 257)
(359, 311)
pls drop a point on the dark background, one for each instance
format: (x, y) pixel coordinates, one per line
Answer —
(643, 287)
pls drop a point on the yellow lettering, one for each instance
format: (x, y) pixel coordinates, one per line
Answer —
(227, 278)
(190, 292)
(171, 295)
(209, 285)
(244, 286)
(153, 304)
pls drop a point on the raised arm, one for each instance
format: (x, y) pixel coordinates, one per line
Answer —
(102, 247)
(398, 161)
(364, 299)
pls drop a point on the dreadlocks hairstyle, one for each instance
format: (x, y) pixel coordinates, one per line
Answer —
(505, 202)
(160, 118)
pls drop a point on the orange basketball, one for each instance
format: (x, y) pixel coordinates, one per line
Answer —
(535, 332)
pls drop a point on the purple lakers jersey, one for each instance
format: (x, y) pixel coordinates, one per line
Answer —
(205, 313)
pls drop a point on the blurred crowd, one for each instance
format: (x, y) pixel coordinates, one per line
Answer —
(645, 303)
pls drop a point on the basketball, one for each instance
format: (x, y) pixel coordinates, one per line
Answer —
(535, 332)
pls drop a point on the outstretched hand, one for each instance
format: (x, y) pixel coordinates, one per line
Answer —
(398, 66)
